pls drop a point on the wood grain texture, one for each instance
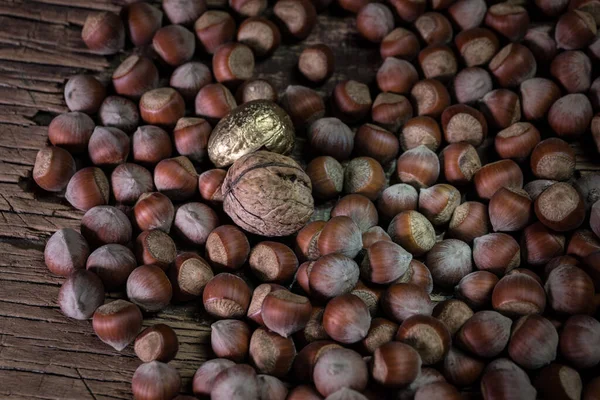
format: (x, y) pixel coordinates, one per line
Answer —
(44, 355)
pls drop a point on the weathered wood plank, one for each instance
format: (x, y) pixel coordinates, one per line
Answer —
(44, 12)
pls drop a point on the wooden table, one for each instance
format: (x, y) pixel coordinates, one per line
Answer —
(43, 354)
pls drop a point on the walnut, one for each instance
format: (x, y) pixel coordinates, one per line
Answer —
(268, 194)
(250, 127)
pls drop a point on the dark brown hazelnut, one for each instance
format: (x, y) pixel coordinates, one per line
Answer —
(553, 159)
(408, 10)
(559, 381)
(194, 222)
(575, 30)
(339, 368)
(327, 177)
(227, 247)
(518, 294)
(461, 369)
(135, 76)
(471, 84)
(112, 263)
(238, 382)
(430, 97)
(84, 93)
(285, 313)
(183, 12)
(155, 380)
(499, 174)
(573, 69)
(359, 208)
(419, 167)
(150, 144)
(205, 375)
(501, 107)
(154, 211)
(129, 181)
(579, 341)
(233, 63)
(108, 146)
(438, 61)
(260, 35)
(189, 275)
(155, 247)
(462, 123)
(175, 44)
(332, 275)
(119, 112)
(434, 28)
(469, 221)
(105, 224)
(426, 334)
(65, 252)
(80, 295)
(536, 187)
(53, 168)
(88, 188)
(395, 199)
(351, 101)
(583, 243)
(374, 21)
(391, 111)
(189, 78)
(510, 209)
(498, 253)
(213, 29)
(156, 343)
(476, 46)
(476, 288)
(117, 323)
(270, 353)
(504, 379)
(449, 261)
(400, 43)
(230, 339)
(214, 101)
(460, 162)
(438, 202)
(374, 235)
(485, 334)
(533, 342)
(396, 76)
(570, 116)
(517, 141)
(453, 313)
(395, 365)
(163, 106)
(143, 20)
(539, 244)
(411, 230)
(191, 138)
(539, 38)
(71, 131)
(364, 175)
(467, 14)
(304, 105)
(330, 136)
(570, 290)
(513, 64)
(316, 62)
(273, 262)
(508, 19)
(149, 288)
(256, 89)
(297, 17)
(401, 300)
(340, 235)
(560, 207)
(176, 178)
(103, 33)
(226, 296)
(382, 331)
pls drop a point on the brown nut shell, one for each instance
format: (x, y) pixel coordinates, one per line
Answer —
(251, 126)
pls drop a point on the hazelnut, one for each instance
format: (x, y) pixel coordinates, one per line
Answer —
(155, 380)
(391, 111)
(374, 21)
(84, 93)
(256, 89)
(449, 261)
(369, 295)
(117, 323)
(510, 20)
(71, 131)
(401, 300)
(305, 361)
(285, 176)
(230, 338)
(143, 20)
(427, 335)
(485, 334)
(189, 78)
(351, 101)
(587, 185)
(155, 247)
(183, 12)
(154, 211)
(307, 240)
(539, 244)
(434, 28)
(119, 112)
(80, 295)
(270, 353)
(238, 382)
(501, 107)
(258, 296)
(384, 262)
(297, 18)
(538, 95)
(209, 184)
(205, 375)
(53, 168)
(377, 143)
(66, 251)
(273, 262)
(339, 368)
(438, 202)
(518, 294)
(438, 61)
(471, 84)
(453, 313)
(194, 221)
(491, 177)
(233, 63)
(213, 29)
(112, 263)
(498, 253)
(396, 199)
(431, 97)
(461, 369)
(395, 365)
(396, 76)
(327, 177)
(510, 209)
(413, 232)
(105, 224)
(462, 123)
(533, 342)
(149, 288)
(365, 176)
(560, 207)
(136, 75)
(332, 275)
(87, 188)
(553, 159)
(314, 331)
(460, 162)
(469, 221)
(374, 235)
(150, 144)
(536, 187)
(400, 43)
(573, 69)
(559, 381)
(305, 107)
(130, 181)
(426, 377)
(570, 290)
(174, 44)
(271, 388)
(304, 392)
(570, 116)
(476, 46)
(583, 243)
(503, 379)
(156, 343)
(284, 312)
(316, 62)
(108, 146)
(551, 8)
(189, 275)
(421, 130)
(176, 178)
(476, 288)
(579, 341)
(513, 64)
(419, 167)
(214, 101)
(467, 14)
(227, 247)
(226, 296)
(517, 141)
(163, 106)
(539, 38)
(248, 8)
(418, 274)
(346, 319)
(438, 390)
(103, 33)
(575, 30)
(260, 35)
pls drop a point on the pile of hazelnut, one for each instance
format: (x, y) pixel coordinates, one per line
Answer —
(459, 176)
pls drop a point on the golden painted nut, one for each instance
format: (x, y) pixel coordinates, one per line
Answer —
(273, 202)
(249, 127)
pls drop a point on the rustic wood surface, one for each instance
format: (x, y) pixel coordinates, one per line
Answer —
(44, 355)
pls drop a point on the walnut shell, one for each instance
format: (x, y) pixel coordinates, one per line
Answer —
(249, 127)
(268, 194)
